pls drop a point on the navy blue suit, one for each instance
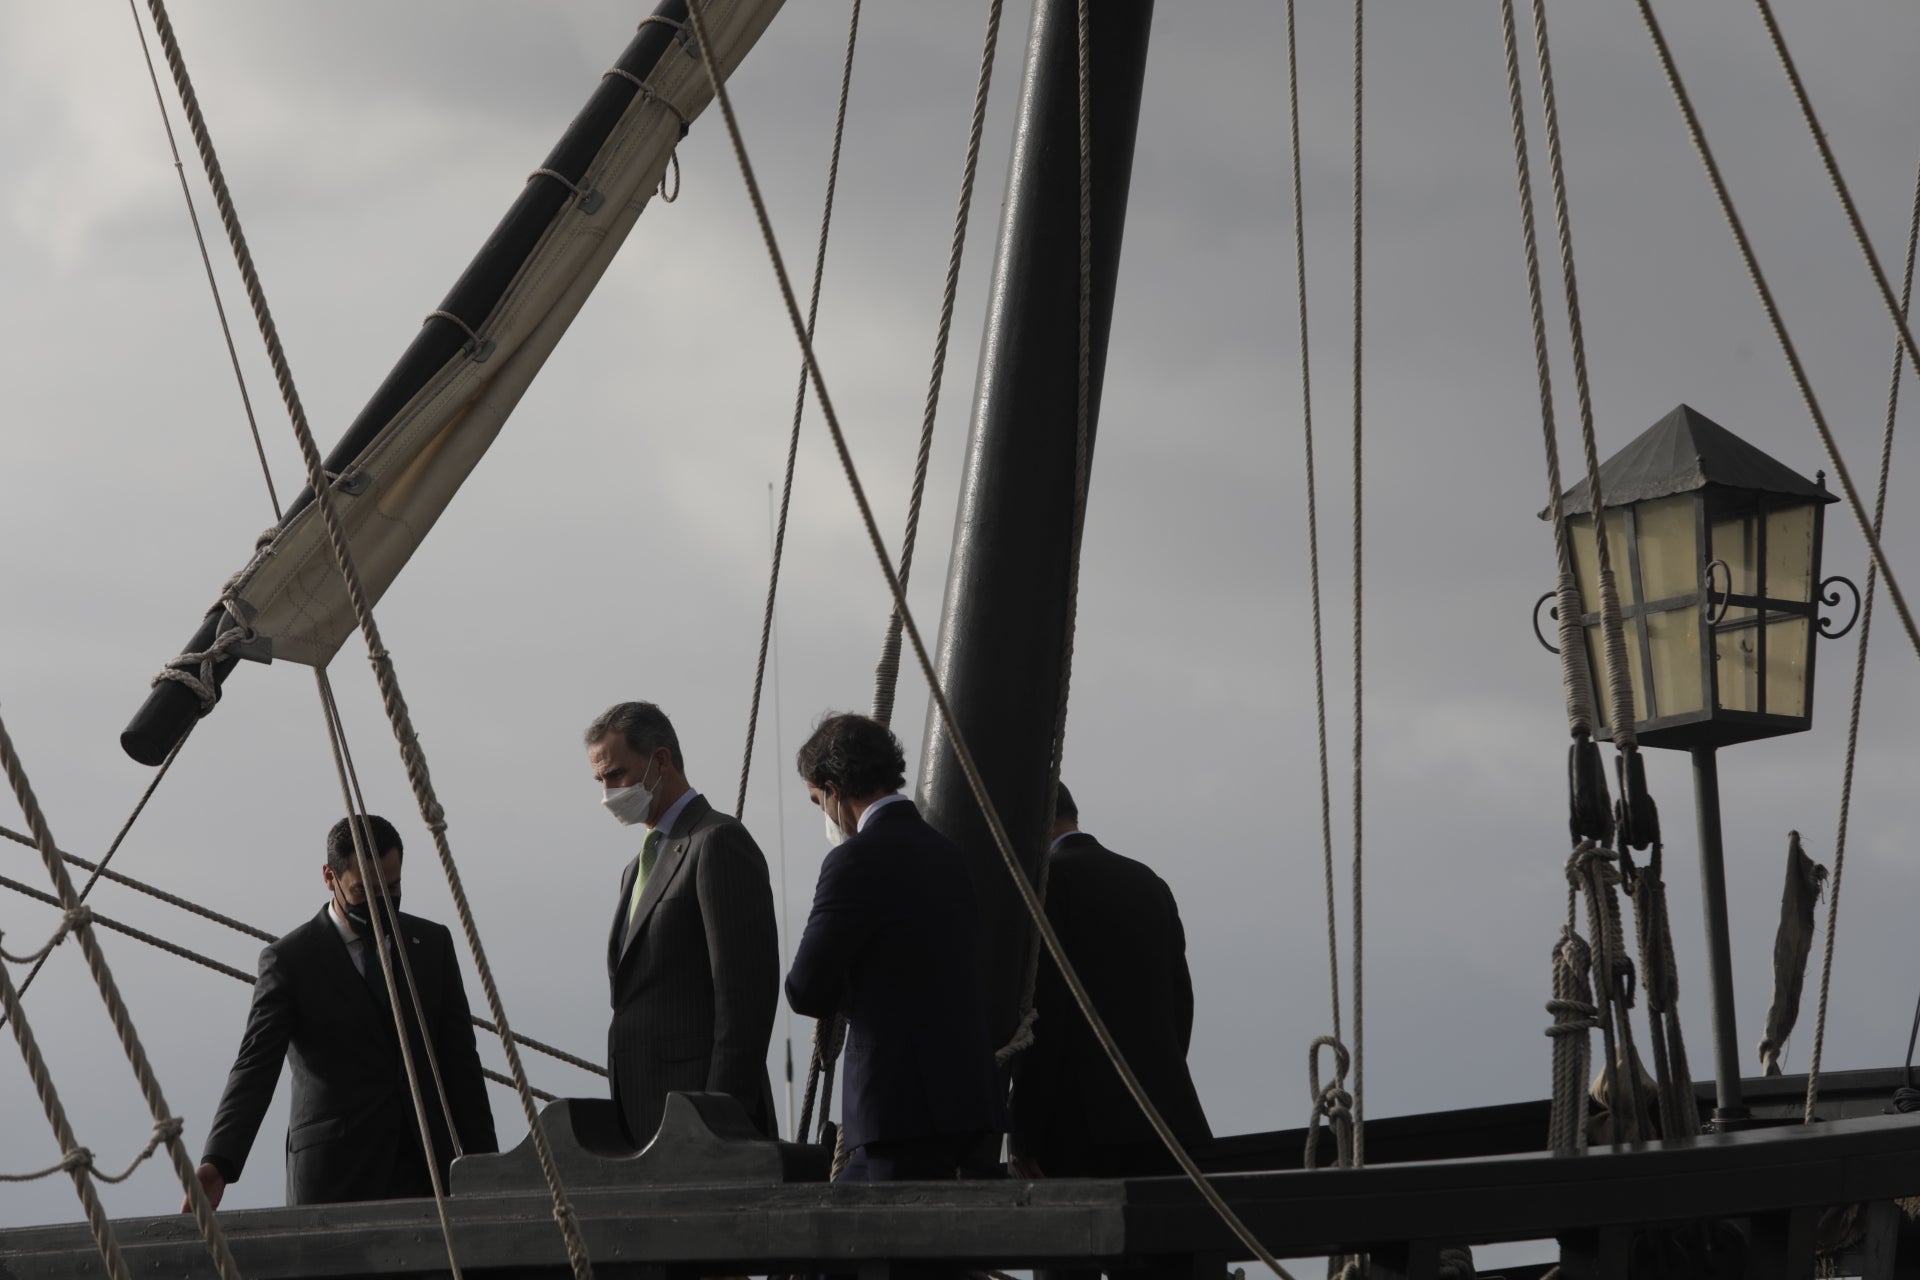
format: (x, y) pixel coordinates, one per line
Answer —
(890, 943)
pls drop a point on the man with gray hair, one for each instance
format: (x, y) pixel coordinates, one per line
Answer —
(693, 958)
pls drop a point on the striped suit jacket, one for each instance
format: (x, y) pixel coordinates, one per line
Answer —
(695, 986)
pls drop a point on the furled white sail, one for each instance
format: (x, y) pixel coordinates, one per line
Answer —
(393, 492)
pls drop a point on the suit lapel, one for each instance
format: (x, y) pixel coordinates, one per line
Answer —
(618, 932)
(673, 854)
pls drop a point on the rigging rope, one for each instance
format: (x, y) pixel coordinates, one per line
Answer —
(410, 750)
(206, 262)
(1359, 687)
(336, 736)
(386, 947)
(1574, 675)
(140, 935)
(962, 753)
(117, 1011)
(99, 869)
(886, 676)
(799, 407)
(1313, 521)
(75, 1158)
(1613, 630)
(1774, 319)
(887, 673)
(1860, 670)
(251, 931)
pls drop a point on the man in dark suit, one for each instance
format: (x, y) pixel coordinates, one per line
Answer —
(890, 943)
(694, 956)
(321, 1000)
(1119, 925)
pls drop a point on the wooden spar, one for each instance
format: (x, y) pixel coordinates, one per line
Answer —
(170, 709)
(1002, 632)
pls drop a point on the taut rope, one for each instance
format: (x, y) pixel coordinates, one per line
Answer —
(1860, 670)
(122, 1025)
(1774, 319)
(963, 754)
(1313, 521)
(410, 750)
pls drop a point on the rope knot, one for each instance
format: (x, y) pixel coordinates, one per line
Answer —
(169, 1129)
(80, 914)
(76, 1158)
(1332, 1104)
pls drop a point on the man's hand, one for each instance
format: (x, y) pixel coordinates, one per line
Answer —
(210, 1182)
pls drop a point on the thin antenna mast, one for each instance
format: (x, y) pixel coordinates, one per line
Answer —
(780, 802)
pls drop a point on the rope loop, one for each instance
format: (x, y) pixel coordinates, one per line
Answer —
(69, 921)
(648, 92)
(1332, 1105)
(165, 1130)
(477, 347)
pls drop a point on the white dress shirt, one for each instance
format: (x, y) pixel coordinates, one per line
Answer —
(866, 815)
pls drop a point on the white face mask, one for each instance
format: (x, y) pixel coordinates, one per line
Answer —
(837, 835)
(630, 805)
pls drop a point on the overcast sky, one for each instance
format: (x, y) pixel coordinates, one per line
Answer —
(614, 543)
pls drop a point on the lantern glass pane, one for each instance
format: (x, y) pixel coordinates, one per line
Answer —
(1736, 667)
(1787, 667)
(1586, 559)
(1673, 638)
(1734, 541)
(1669, 558)
(1789, 560)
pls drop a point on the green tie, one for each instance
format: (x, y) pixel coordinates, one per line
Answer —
(649, 854)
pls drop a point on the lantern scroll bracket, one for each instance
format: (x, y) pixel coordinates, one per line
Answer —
(1717, 609)
(1832, 598)
(1538, 632)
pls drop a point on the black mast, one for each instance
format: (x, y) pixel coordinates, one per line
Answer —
(1002, 633)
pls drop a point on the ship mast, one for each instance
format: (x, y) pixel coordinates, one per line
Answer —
(1003, 631)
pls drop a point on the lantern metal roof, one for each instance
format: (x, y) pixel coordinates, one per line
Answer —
(1686, 451)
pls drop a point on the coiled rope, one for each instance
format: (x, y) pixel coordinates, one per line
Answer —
(963, 754)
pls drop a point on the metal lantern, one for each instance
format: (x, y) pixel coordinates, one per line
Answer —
(1715, 550)
(1716, 554)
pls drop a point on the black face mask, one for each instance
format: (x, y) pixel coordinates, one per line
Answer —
(360, 915)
